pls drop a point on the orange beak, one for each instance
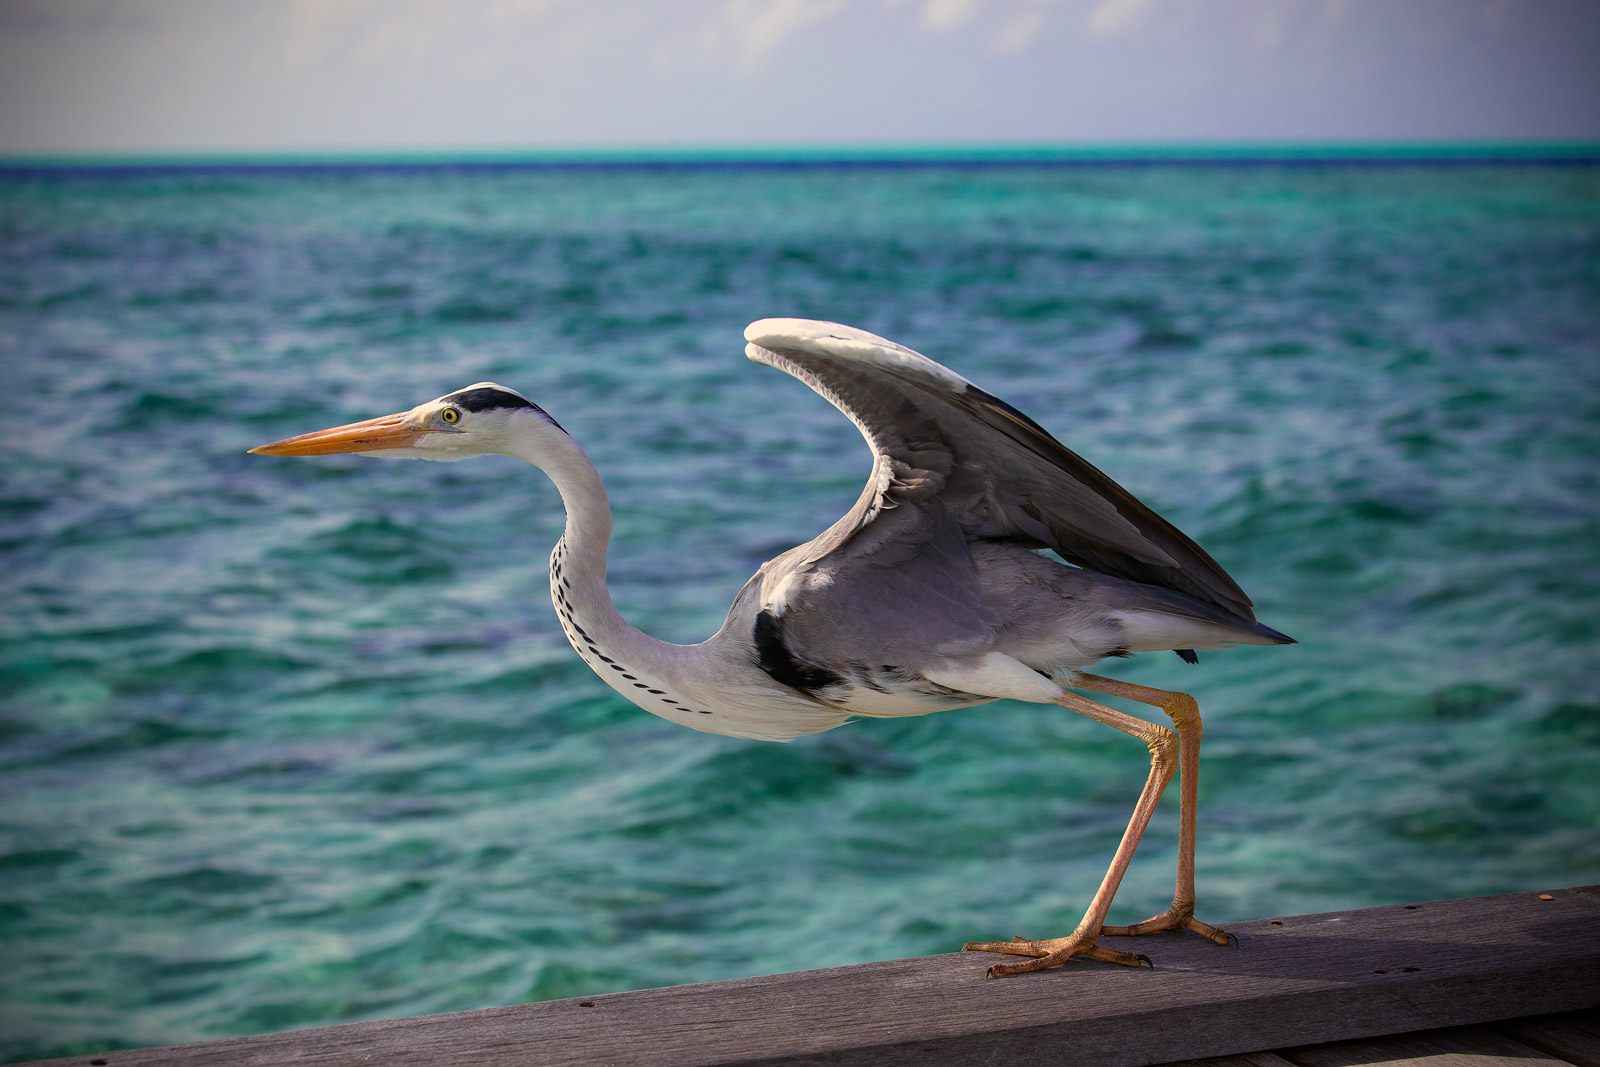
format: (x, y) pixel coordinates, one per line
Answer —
(373, 435)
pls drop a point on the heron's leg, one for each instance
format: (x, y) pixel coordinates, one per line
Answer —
(1185, 714)
(1081, 942)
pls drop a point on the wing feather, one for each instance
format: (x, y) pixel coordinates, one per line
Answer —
(996, 472)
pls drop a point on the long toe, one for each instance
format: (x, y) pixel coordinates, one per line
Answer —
(1048, 954)
(1171, 919)
(1221, 937)
(1043, 963)
(1017, 946)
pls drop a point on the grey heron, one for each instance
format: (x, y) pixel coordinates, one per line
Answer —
(931, 593)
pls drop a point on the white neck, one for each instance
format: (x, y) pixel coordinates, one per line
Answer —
(714, 686)
(632, 662)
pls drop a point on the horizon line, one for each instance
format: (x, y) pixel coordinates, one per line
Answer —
(811, 155)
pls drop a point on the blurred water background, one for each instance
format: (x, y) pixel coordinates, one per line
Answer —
(291, 742)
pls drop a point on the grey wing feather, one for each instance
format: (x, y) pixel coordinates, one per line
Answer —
(937, 437)
(906, 591)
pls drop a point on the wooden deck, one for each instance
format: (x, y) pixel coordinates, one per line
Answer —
(1313, 990)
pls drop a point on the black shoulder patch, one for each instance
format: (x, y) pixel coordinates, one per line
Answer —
(1188, 655)
(489, 399)
(779, 662)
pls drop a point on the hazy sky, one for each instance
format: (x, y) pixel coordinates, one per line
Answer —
(165, 75)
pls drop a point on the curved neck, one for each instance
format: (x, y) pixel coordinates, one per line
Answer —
(588, 508)
(596, 629)
(715, 686)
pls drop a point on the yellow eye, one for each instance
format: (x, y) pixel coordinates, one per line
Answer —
(450, 415)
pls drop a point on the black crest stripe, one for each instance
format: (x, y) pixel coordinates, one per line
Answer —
(489, 399)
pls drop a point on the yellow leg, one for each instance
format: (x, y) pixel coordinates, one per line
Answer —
(1185, 714)
(1053, 952)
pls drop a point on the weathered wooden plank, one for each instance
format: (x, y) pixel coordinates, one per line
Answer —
(1288, 982)
(1244, 1059)
(1462, 1046)
(1573, 1036)
(1466, 1046)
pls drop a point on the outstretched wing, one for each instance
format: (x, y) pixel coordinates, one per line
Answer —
(940, 443)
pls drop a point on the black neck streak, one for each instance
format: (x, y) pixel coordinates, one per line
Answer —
(584, 644)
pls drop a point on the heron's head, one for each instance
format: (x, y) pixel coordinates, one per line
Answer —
(479, 420)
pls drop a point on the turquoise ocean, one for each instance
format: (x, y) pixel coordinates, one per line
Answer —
(293, 742)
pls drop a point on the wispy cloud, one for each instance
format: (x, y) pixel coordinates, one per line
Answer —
(1112, 17)
(410, 31)
(176, 74)
(947, 14)
(760, 27)
(1016, 32)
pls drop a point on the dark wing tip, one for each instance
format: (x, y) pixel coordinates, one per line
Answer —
(1275, 636)
(1194, 573)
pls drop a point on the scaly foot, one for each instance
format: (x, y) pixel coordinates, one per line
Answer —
(1174, 918)
(1050, 953)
